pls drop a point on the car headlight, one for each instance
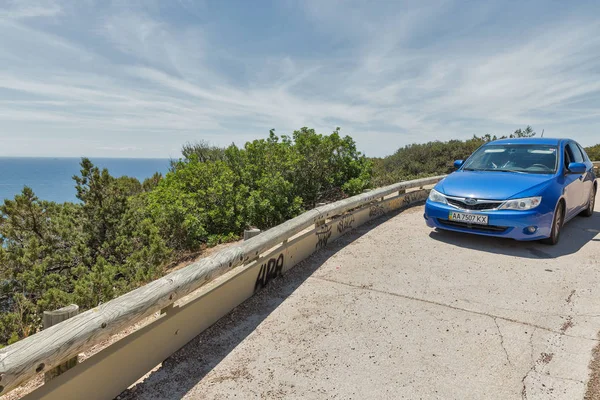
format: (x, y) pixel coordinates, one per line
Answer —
(437, 197)
(521, 204)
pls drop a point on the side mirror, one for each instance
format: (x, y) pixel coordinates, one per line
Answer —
(458, 163)
(577, 168)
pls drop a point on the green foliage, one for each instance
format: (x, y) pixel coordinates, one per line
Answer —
(122, 233)
(593, 152)
(210, 200)
(195, 200)
(53, 254)
(326, 165)
(150, 183)
(432, 158)
(523, 133)
(203, 150)
(420, 160)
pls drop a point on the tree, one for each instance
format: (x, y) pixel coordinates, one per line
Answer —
(150, 183)
(203, 150)
(41, 243)
(523, 133)
(208, 200)
(328, 166)
(53, 254)
(195, 203)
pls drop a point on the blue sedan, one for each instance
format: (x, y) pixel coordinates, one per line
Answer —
(524, 189)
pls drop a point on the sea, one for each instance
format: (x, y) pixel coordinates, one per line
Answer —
(52, 178)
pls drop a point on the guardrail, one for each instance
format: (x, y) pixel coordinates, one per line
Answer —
(112, 370)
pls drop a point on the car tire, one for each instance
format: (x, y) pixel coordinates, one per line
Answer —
(557, 223)
(589, 211)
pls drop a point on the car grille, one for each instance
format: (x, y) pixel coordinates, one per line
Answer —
(479, 206)
(475, 227)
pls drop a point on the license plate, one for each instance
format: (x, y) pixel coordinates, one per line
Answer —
(468, 218)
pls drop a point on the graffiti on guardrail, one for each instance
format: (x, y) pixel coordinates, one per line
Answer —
(376, 210)
(411, 197)
(323, 235)
(345, 223)
(269, 271)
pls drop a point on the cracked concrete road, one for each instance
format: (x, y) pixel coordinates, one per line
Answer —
(393, 310)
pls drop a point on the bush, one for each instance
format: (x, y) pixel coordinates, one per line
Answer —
(593, 152)
(212, 199)
(53, 254)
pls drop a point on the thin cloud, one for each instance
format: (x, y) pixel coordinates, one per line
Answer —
(120, 149)
(19, 9)
(388, 75)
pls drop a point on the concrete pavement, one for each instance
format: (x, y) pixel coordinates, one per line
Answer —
(394, 310)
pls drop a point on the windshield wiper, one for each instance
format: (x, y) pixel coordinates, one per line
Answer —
(510, 170)
(501, 170)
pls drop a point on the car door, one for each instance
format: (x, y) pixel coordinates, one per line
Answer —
(574, 186)
(588, 181)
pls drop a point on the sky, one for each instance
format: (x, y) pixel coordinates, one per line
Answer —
(138, 78)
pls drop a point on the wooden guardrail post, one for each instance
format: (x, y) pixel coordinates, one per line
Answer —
(250, 233)
(52, 318)
(320, 222)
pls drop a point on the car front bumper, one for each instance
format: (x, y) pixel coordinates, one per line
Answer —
(501, 223)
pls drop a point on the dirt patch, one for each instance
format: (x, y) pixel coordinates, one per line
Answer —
(567, 325)
(186, 259)
(239, 373)
(545, 358)
(593, 385)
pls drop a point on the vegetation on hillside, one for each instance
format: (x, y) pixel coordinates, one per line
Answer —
(436, 158)
(593, 152)
(122, 233)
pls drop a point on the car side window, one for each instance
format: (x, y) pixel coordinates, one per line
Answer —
(567, 158)
(574, 153)
(585, 156)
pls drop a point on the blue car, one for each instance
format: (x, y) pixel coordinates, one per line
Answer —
(524, 189)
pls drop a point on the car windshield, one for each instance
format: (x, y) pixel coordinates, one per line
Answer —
(529, 158)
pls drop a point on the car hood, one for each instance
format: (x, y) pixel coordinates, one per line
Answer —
(493, 185)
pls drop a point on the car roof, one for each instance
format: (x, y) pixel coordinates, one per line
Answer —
(531, 140)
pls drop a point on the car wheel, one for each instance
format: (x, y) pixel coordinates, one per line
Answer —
(589, 211)
(559, 217)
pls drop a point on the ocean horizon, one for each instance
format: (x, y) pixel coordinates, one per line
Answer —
(51, 178)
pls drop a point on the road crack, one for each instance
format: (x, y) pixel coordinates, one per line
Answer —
(502, 342)
(533, 363)
(437, 303)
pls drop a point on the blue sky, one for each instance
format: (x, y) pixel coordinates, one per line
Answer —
(139, 78)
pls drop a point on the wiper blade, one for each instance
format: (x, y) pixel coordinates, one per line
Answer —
(511, 170)
(501, 170)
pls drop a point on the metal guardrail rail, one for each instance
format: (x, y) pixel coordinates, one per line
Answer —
(49, 348)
